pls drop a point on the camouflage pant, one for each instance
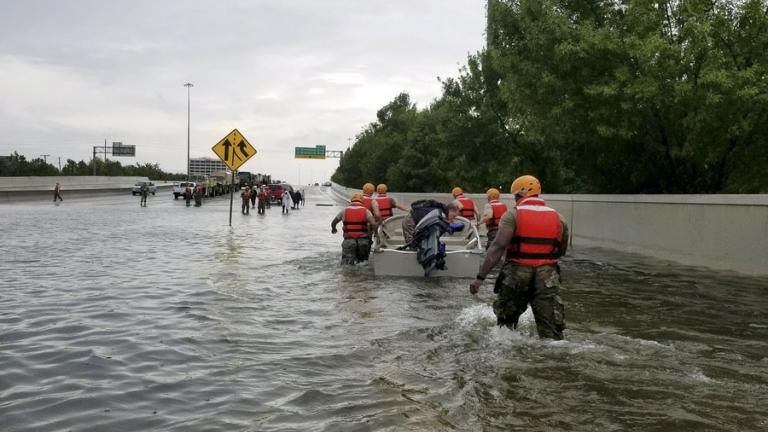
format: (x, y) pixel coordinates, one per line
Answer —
(355, 250)
(539, 286)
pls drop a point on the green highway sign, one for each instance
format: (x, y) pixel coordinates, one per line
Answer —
(316, 152)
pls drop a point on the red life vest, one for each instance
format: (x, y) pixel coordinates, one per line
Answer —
(355, 221)
(368, 202)
(538, 234)
(467, 207)
(385, 206)
(499, 208)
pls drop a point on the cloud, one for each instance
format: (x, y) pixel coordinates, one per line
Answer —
(297, 73)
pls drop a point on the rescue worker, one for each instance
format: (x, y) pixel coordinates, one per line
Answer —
(246, 196)
(358, 223)
(57, 192)
(188, 194)
(492, 214)
(263, 200)
(198, 195)
(368, 190)
(466, 205)
(144, 191)
(534, 236)
(383, 204)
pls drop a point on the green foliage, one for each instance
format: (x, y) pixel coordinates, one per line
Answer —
(607, 97)
(17, 165)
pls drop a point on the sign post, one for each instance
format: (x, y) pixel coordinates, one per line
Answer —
(234, 150)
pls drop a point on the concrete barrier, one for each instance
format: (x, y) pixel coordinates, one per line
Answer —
(39, 188)
(723, 232)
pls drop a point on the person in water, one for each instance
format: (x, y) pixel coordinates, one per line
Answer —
(57, 192)
(358, 223)
(492, 214)
(534, 237)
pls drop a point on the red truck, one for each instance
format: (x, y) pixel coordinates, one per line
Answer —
(276, 191)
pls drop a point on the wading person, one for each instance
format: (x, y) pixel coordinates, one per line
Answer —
(287, 202)
(384, 205)
(187, 194)
(533, 236)
(246, 196)
(198, 195)
(263, 200)
(57, 192)
(368, 190)
(253, 193)
(144, 193)
(492, 214)
(466, 205)
(358, 222)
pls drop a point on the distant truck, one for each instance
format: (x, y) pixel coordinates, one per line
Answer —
(244, 178)
(221, 181)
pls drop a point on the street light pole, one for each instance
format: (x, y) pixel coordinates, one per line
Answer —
(189, 89)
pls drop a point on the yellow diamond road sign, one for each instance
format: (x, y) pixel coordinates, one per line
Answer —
(234, 150)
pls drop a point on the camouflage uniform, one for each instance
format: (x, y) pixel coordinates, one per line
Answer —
(520, 284)
(539, 286)
(355, 250)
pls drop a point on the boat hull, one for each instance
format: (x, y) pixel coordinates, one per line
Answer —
(458, 264)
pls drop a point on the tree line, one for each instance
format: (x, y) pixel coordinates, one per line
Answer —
(18, 165)
(626, 96)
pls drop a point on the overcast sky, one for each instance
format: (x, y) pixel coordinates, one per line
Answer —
(284, 72)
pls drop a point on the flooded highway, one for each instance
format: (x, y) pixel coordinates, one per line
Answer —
(115, 317)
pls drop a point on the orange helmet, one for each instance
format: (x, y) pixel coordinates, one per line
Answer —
(382, 188)
(368, 188)
(493, 193)
(526, 186)
(357, 197)
(457, 191)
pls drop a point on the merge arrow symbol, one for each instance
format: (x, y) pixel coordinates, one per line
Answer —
(243, 148)
(226, 144)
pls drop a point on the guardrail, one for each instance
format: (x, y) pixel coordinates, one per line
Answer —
(723, 232)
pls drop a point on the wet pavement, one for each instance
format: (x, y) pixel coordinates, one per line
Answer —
(121, 318)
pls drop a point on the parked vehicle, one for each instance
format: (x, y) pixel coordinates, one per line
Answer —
(327, 184)
(276, 191)
(180, 187)
(137, 188)
(222, 182)
(244, 178)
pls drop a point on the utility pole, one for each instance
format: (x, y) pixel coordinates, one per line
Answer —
(59, 163)
(45, 157)
(189, 90)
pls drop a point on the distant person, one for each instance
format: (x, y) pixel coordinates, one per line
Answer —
(57, 192)
(303, 197)
(368, 190)
(263, 200)
(383, 205)
(534, 237)
(287, 202)
(144, 191)
(466, 205)
(358, 223)
(187, 194)
(246, 196)
(253, 196)
(492, 214)
(198, 195)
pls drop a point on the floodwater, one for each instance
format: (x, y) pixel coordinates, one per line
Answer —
(120, 318)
